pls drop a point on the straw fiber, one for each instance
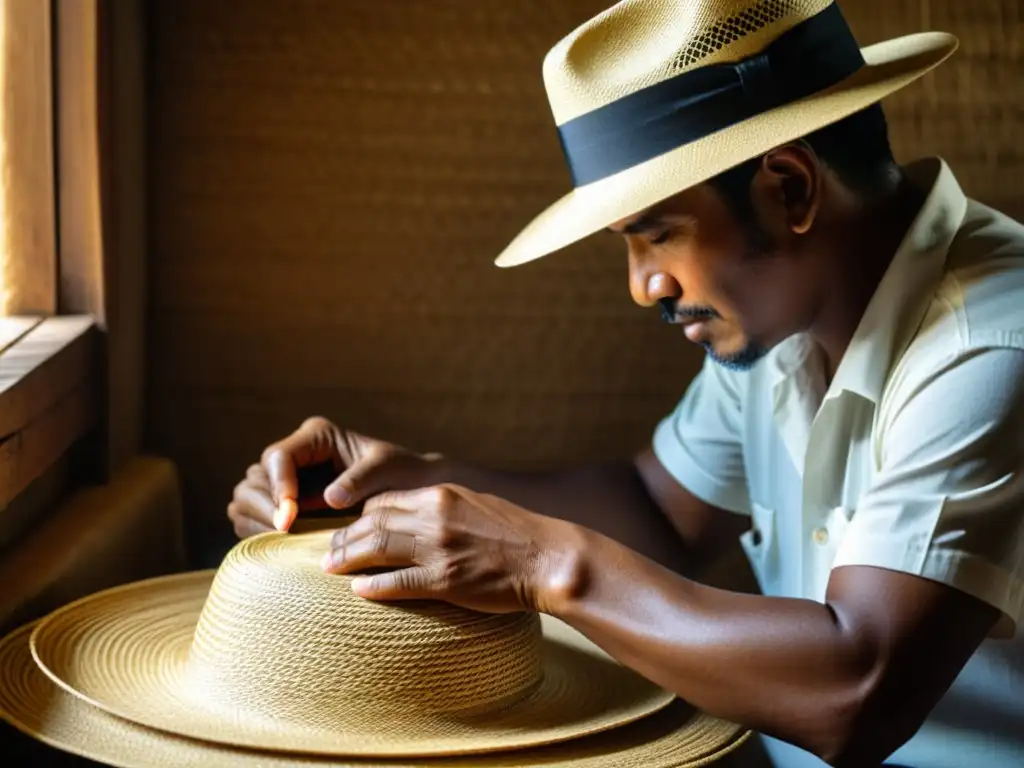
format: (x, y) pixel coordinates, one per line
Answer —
(676, 737)
(631, 46)
(279, 655)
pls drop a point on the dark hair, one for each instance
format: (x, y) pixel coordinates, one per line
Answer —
(857, 148)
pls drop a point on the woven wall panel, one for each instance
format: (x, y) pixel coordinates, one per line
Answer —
(331, 180)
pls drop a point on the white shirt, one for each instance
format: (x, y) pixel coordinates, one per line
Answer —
(912, 459)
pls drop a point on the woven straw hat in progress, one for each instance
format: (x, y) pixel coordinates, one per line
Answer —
(272, 653)
(675, 737)
(653, 97)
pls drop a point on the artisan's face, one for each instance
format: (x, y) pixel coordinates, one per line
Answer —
(737, 292)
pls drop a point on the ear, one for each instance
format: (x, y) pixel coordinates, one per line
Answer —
(791, 178)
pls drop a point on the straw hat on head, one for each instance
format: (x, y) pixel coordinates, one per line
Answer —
(270, 653)
(653, 97)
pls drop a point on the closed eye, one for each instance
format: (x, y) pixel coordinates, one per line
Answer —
(664, 237)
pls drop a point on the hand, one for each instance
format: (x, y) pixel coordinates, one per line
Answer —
(449, 543)
(268, 498)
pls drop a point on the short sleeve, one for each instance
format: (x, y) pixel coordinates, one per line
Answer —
(947, 501)
(701, 442)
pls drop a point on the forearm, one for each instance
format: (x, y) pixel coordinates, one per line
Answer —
(784, 667)
(608, 498)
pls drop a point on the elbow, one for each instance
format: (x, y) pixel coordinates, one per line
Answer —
(861, 729)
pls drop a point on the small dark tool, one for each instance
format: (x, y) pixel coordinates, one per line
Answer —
(313, 481)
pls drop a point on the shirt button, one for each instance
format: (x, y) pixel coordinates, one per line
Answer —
(820, 536)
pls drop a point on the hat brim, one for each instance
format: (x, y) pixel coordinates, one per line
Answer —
(889, 67)
(675, 737)
(126, 651)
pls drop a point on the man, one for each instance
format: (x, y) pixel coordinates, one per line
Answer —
(858, 421)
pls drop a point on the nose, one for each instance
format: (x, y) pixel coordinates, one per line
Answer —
(648, 284)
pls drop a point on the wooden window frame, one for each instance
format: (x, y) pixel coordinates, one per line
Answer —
(71, 338)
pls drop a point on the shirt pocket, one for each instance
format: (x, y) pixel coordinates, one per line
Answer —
(761, 546)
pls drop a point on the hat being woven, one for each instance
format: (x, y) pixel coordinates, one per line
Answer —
(274, 654)
(675, 737)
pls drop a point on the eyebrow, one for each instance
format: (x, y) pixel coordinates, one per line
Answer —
(645, 224)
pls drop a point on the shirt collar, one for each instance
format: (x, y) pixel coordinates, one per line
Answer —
(901, 299)
(898, 305)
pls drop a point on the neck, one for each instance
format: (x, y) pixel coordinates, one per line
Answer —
(867, 236)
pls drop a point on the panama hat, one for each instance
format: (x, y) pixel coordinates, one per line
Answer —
(270, 653)
(675, 737)
(652, 97)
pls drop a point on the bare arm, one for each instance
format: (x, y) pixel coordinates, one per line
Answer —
(849, 680)
(638, 504)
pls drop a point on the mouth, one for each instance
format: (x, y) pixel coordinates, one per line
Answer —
(695, 322)
(696, 330)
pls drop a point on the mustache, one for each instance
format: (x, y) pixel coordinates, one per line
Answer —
(681, 313)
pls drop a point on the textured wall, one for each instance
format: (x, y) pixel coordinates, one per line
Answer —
(331, 179)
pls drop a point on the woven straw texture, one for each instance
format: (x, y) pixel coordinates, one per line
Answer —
(330, 181)
(675, 737)
(643, 43)
(889, 66)
(279, 655)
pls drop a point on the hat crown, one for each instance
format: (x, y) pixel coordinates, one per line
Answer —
(278, 638)
(639, 43)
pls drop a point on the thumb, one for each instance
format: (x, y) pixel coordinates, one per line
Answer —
(405, 584)
(367, 477)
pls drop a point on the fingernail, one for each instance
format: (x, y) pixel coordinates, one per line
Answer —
(327, 561)
(339, 496)
(361, 584)
(285, 514)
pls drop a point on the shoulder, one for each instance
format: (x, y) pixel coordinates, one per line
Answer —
(976, 312)
(979, 301)
(983, 286)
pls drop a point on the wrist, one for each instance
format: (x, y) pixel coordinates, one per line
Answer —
(565, 568)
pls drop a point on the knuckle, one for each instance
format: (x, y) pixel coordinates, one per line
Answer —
(382, 501)
(449, 575)
(442, 497)
(316, 424)
(380, 541)
(377, 452)
(271, 454)
(240, 489)
(379, 520)
(256, 473)
(339, 538)
(446, 537)
(406, 580)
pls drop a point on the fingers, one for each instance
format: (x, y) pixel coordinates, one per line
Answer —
(386, 550)
(385, 539)
(406, 584)
(244, 525)
(255, 503)
(312, 443)
(376, 469)
(430, 499)
(251, 510)
(257, 475)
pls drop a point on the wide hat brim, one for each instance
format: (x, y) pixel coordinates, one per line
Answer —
(675, 737)
(126, 650)
(889, 67)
